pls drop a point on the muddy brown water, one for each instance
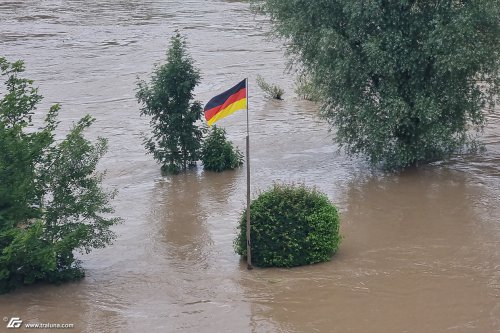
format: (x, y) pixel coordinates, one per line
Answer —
(421, 249)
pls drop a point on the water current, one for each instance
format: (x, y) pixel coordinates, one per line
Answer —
(421, 249)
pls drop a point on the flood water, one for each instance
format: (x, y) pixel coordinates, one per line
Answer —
(421, 249)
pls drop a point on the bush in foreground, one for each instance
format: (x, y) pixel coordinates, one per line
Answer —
(291, 225)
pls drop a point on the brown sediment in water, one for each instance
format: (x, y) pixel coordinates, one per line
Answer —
(420, 251)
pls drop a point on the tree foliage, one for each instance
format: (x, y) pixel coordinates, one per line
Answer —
(218, 153)
(51, 201)
(404, 81)
(291, 225)
(176, 139)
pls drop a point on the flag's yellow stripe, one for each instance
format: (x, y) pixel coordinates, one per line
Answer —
(230, 109)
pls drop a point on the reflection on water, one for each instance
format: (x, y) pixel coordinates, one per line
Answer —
(180, 208)
(182, 220)
(420, 250)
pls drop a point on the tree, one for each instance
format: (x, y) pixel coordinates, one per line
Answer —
(176, 139)
(403, 82)
(51, 200)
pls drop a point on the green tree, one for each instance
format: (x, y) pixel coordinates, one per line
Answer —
(404, 81)
(51, 200)
(168, 100)
(218, 153)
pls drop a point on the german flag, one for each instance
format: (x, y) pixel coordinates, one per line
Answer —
(227, 103)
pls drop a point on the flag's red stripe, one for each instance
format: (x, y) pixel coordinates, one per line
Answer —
(242, 93)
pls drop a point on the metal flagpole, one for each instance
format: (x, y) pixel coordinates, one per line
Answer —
(249, 250)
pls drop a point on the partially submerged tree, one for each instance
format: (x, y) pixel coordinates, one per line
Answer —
(403, 82)
(51, 199)
(168, 100)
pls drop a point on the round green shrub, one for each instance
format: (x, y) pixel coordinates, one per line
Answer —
(291, 225)
(219, 154)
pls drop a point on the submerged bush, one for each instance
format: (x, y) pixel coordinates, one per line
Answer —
(305, 89)
(291, 225)
(272, 91)
(219, 154)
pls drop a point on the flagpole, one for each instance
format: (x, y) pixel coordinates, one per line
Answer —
(249, 250)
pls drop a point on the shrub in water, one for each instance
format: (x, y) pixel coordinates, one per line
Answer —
(305, 89)
(219, 154)
(272, 91)
(291, 225)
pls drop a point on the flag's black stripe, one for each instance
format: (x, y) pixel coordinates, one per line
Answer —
(221, 98)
